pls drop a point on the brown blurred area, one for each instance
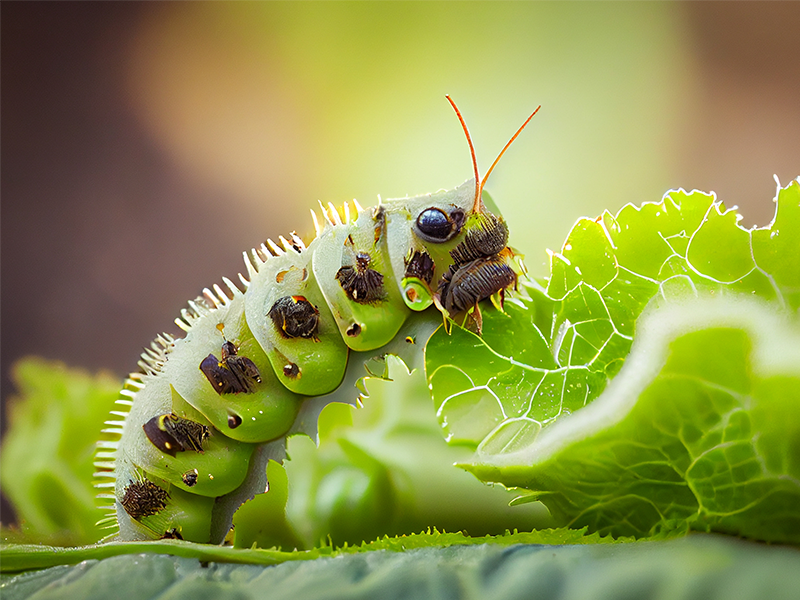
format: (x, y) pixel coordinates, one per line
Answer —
(745, 120)
(104, 238)
(85, 190)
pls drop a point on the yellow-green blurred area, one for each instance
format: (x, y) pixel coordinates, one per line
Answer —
(282, 105)
(146, 145)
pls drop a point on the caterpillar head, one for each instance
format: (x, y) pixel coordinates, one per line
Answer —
(446, 232)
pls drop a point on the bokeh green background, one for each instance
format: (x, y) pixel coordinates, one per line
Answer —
(285, 104)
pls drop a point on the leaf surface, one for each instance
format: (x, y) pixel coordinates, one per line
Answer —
(699, 566)
(700, 429)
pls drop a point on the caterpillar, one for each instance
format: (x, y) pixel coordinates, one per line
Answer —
(197, 424)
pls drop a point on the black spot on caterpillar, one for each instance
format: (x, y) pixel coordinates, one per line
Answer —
(294, 316)
(143, 499)
(232, 374)
(291, 370)
(172, 534)
(190, 478)
(172, 434)
(488, 237)
(479, 266)
(198, 431)
(362, 284)
(421, 266)
(464, 285)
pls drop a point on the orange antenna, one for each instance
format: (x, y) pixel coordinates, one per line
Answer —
(478, 204)
(471, 151)
(503, 151)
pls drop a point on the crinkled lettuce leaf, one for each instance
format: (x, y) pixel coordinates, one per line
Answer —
(699, 430)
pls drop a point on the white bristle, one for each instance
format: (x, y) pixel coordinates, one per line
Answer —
(317, 228)
(337, 219)
(275, 248)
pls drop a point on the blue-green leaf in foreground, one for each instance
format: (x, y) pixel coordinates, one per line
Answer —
(507, 394)
(709, 567)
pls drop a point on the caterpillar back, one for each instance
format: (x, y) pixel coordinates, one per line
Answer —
(260, 360)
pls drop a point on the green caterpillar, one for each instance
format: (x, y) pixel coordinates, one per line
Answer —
(207, 411)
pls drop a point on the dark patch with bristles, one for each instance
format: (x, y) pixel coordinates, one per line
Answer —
(295, 317)
(421, 266)
(362, 284)
(488, 237)
(172, 434)
(233, 374)
(143, 499)
(464, 286)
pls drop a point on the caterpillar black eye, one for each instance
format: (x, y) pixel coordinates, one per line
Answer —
(291, 370)
(433, 225)
(234, 421)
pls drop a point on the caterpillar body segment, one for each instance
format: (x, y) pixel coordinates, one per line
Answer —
(264, 411)
(258, 364)
(301, 338)
(219, 469)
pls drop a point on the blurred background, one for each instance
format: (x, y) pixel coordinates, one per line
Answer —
(146, 145)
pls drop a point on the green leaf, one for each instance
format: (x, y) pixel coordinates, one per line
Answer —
(380, 469)
(26, 557)
(261, 521)
(700, 430)
(775, 247)
(697, 431)
(47, 453)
